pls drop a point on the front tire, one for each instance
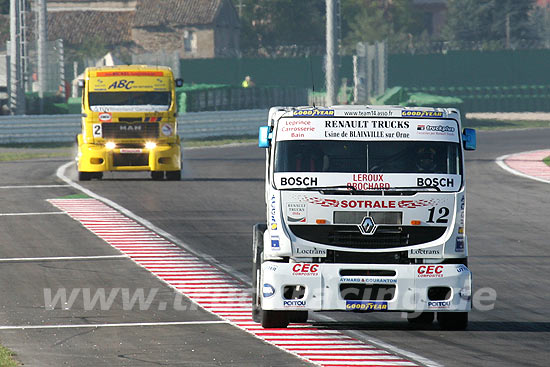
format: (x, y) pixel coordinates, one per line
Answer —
(157, 175)
(84, 176)
(173, 175)
(453, 320)
(275, 319)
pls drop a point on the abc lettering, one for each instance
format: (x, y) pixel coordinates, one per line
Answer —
(443, 182)
(305, 268)
(430, 269)
(121, 84)
(306, 181)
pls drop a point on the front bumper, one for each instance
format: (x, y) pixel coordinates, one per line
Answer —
(96, 158)
(412, 288)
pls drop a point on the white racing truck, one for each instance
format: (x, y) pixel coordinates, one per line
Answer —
(365, 213)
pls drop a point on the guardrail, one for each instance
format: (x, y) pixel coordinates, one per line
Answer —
(191, 125)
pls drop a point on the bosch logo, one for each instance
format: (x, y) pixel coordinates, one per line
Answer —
(367, 226)
(430, 271)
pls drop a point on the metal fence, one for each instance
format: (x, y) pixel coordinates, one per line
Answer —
(193, 125)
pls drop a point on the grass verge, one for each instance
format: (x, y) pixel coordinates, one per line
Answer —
(6, 358)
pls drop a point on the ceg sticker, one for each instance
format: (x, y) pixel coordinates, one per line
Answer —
(105, 117)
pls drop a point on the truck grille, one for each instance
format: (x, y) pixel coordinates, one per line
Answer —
(351, 237)
(130, 159)
(344, 257)
(123, 130)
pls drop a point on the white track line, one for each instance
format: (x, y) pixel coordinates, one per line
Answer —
(125, 324)
(501, 162)
(63, 258)
(29, 214)
(315, 340)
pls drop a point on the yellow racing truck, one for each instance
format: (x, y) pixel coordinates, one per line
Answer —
(129, 122)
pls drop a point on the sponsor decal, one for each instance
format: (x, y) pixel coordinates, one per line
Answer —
(296, 212)
(305, 269)
(297, 128)
(435, 181)
(268, 290)
(130, 73)
(105, 117)
(367, 280)
(306, 181)
(314, 112)
(435, 128)
(364, 124)
(121, 84)
(294, 303)
(459, 247)
(155, 119)
(166, 130)
(461, 269)
(311, 252)
(366, 306)
(273, 213)
(439, 304)
(367, 181)
(425, 251)
(275, 246)
(429, 271)
(271, 267)
(371, 204)
(130, 150)
(421, 114)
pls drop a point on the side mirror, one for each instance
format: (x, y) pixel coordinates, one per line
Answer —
(264, 137)
(179, 82)
(469, 139)
(81, 83)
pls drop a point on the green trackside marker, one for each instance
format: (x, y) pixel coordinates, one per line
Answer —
(547, 160)
(75, 196)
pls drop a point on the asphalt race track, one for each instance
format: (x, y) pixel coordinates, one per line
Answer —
(212, 211)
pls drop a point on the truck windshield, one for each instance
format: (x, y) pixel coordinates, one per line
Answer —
(368, 157)
(97, 99)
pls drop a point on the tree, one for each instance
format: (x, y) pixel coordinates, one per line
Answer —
(489, 22)
(4, 6)
(269, 23)
(377, 20)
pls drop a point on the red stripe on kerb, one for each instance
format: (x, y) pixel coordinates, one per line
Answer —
(217, 292)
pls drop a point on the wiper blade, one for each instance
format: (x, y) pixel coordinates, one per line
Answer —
(322, 189)
(419, 188)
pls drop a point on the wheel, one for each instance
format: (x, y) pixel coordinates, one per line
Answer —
(257, 254)
(173, 175)
(299, 317)
(98, 175)
(275, 319)
(453, 320)
(85, 176)
(422, 318)
(157, 175)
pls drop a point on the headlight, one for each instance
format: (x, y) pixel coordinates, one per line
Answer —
(150, 145)
(110, 145)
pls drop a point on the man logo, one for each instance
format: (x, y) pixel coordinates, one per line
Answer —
(367, 226)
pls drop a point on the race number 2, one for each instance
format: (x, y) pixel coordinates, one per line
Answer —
(97, 132)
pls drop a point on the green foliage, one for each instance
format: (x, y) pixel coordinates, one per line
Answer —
(4, 6)
(268, 23)
(377, 20)
(91, 48)
(486, 21)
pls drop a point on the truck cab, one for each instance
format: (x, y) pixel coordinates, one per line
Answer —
(129, 122)
(365, 213)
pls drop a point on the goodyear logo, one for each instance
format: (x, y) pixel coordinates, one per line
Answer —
(314, 112)
(366, 306)
(421, 114)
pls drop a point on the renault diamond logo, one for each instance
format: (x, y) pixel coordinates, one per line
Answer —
(367, 226)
